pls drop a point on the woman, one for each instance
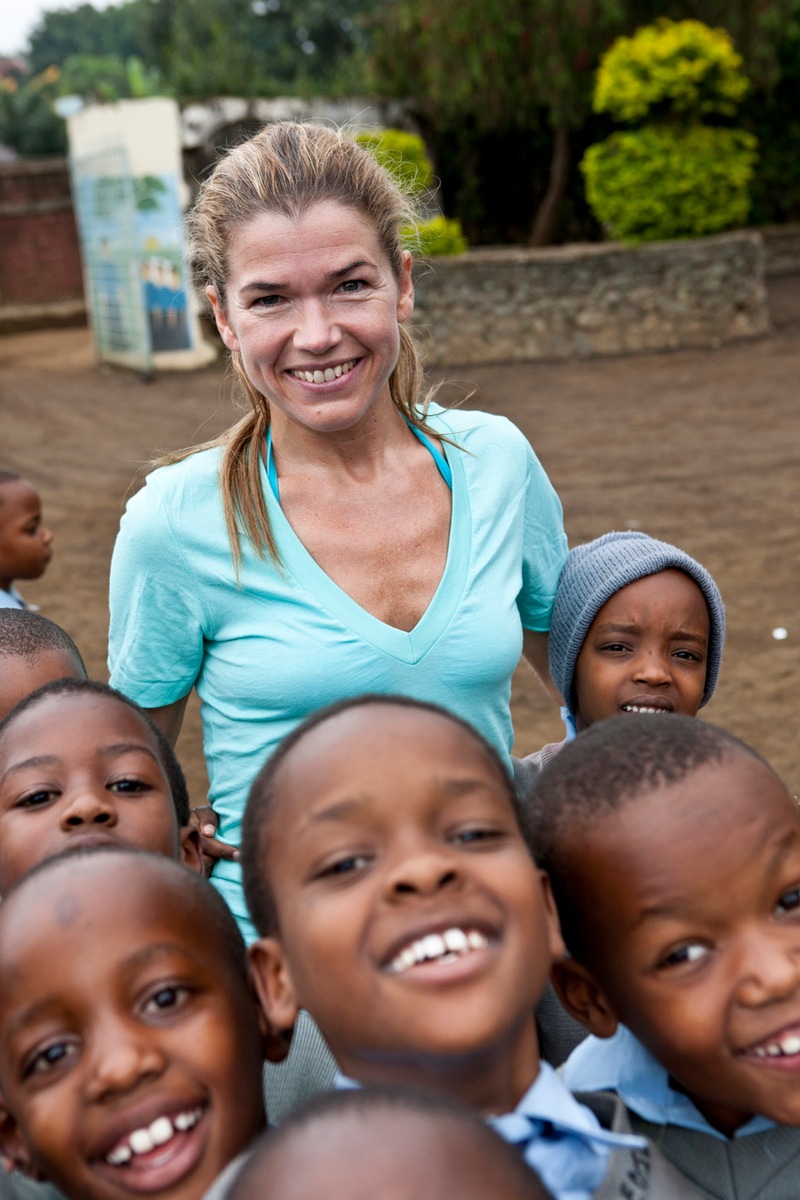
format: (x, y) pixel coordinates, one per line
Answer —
(344, 536)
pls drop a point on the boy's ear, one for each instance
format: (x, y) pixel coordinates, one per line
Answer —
(556, 946)
(190, 853)
(14, 1154)
(273, 985)
(583, 998)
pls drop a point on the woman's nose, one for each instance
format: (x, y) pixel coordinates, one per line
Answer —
(316, 331)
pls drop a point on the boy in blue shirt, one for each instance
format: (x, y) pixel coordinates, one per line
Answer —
(674, 856)
(397, 901)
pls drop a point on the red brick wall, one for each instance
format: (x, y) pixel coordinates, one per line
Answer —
(39, 252)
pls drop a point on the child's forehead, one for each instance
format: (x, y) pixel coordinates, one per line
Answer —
(51, 712)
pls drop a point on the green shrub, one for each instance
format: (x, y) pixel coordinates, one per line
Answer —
(437, 237)
(405, 156)
(401, 153)
(668, 182)
(682, 67)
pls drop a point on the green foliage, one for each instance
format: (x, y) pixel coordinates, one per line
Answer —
(437, 237)
(671, 66)
(403, 154)
(107, 77)
(670, 182)
(86, 30)
(28, 121)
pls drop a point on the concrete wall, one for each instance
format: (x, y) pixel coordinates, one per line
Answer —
(503, 305)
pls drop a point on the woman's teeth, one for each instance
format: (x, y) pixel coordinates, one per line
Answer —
(438, 947)
(142, 1141)
(327, 375)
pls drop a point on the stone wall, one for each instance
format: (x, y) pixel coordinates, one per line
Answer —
(510, 304)
(781, 249)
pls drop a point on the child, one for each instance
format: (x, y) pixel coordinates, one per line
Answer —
(398, 903)
(637, 626)
(130, 1043)
(354, 1145)
(82, 765)
(25, 543)
(33, 651)
(674, 855)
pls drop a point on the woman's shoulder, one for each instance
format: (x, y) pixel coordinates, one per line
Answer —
(188, 479)
(477, 426)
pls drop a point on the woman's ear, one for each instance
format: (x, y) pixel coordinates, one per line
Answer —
(226, 330)
(405, 287)
(583, 998)
(273, 985)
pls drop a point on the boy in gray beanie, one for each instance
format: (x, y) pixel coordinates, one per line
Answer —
(637, 626)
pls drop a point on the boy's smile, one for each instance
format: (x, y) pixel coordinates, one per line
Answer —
(700, 935)
(645, 651)
(413, 923)
(130, 1048)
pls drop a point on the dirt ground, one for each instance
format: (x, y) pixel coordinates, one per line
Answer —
(701, 448)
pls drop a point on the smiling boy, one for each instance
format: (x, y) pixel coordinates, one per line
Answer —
(638, 626)
(398, 903)
(81, 765)
(130, 1043)
(674, 855)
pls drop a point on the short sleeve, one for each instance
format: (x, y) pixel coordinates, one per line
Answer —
(544, 548)
(155, 644)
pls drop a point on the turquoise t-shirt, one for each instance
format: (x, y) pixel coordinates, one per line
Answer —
(288, 640)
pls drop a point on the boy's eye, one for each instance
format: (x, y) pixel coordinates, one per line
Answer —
(470, 837)
(692, 952)
(613, 647)
(689, 655)
(49, 1058)
(789, 901)
(129, 784)
(166, 998)
(345, 865)
(37, 798)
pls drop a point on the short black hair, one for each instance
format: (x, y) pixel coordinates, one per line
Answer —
(81, 687)
(513, 1172)
(27, 634)
(217, 916)
(261, 800)
(609, 766)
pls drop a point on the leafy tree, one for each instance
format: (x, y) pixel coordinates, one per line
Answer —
(85, 30)
(28, 121)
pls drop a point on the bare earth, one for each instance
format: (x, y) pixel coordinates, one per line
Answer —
(701, 448)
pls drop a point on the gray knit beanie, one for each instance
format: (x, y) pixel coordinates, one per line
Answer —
(593, 573)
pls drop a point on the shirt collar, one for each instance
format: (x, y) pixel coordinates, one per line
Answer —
(622, 1065)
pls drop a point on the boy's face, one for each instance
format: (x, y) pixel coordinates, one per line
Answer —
(361, 1156)
(699, 935)
(414, 925)
(646, 650)
(25, 543)
(130, 1052)
(81, 770)
(23, 675)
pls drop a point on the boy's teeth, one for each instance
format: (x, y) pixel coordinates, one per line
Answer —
(142, 1141)
(327, 375)
(640, 709)
(789, 1046)
(434, 947)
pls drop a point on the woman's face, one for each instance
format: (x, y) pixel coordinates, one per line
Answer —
(314, 309)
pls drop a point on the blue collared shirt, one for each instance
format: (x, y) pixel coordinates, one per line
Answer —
(561, 1139)
(621, 1064)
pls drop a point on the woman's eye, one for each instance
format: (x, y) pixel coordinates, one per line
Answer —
(690, 953)
(352, 285)
(267, 301)
(789, 901)
(166, 998)
(49, 1058)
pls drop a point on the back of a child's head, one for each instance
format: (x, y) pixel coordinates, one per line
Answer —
(33, 651)
(610, 767)
(136, 1056)
(593, 573)
(354, 1145)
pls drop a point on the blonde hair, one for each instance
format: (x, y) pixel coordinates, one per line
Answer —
(286, 168)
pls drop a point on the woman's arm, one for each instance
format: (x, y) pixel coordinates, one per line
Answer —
(169, 717)
(534, 648)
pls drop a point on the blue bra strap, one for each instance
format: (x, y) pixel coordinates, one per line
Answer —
(442, 464)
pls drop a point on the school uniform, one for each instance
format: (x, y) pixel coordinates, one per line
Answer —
(761, 1161)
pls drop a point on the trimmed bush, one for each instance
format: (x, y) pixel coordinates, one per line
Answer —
(666, 182)
(437, 237)
(401, 153)
(671, 66)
